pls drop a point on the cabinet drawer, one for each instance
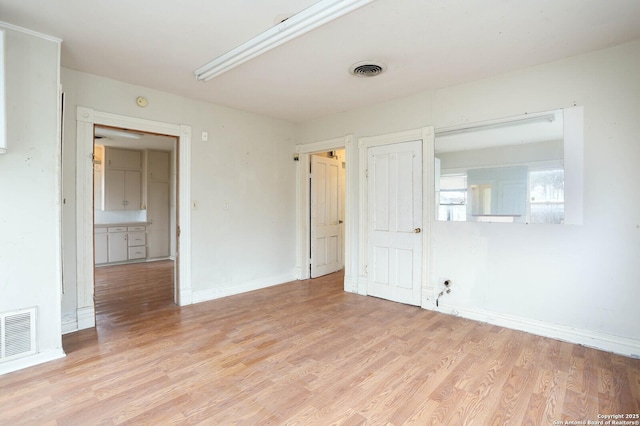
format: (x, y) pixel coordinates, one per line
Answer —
(137, 239)
(137, 252)
(100, 230)
(117, 229)
(136, 228)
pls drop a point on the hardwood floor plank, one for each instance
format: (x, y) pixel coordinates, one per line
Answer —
(305, 353)
(514, 399)
(633, 400)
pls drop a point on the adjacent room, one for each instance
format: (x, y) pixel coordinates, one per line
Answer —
(319, 212)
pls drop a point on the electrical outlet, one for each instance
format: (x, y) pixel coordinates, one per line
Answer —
(205, 136)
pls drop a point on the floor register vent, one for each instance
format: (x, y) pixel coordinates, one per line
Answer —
(17, 334)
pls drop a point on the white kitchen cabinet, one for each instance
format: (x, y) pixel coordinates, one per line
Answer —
(101, 253)
(137, 242)
(122, 179)
(158, 217)
(158, 200)
(123, 159)
(118, 247)
(136, 239)
(158, 166)
(115, 244)
(123, 190)
(139, 252)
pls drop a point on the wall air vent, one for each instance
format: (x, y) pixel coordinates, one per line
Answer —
(17, 334)
(367, 69)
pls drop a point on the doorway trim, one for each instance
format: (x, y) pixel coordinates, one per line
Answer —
(304, 152)
(86, 118)
(426, 135)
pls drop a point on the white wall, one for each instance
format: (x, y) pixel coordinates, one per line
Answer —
(30, 262)
(577, 282)
(246, 163)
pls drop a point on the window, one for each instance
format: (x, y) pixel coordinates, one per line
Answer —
(525, 169)
(546, 196)
(457, 199)
(453, 198)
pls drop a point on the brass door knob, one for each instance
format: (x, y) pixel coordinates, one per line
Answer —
(417, 230)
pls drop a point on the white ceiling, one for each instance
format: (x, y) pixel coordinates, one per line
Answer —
(426, 44)
(143, 141)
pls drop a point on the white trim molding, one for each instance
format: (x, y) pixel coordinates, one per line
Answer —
(426, 135)
(23, 30)
(30, 361)
(606, 342)
(182, 286)
(69, 323)
(86, 118)
(242, 287)
(303, 248)
(86, 317)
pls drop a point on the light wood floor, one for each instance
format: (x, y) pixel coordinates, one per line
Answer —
(305, 353)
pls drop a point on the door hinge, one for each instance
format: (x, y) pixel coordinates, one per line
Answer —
(365, 269)
(366, 173)
(309, 261)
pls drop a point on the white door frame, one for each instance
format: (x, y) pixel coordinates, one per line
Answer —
(426, 135)
(86, 118)
(320, 230)
(303, 224)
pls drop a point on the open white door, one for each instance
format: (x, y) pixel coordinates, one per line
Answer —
(395, 222)
(326, 230)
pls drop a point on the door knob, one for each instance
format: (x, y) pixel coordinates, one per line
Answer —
(417, 230)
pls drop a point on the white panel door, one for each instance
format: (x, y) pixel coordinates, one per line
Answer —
(326, 234)
(395, 222)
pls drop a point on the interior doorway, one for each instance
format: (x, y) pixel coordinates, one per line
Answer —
(86, 119)
(348, 208)
(327, 179)
(134, 205)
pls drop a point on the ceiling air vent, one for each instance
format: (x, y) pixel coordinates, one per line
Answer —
(367, 69)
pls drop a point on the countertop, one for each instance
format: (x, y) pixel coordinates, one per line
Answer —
(106, 225)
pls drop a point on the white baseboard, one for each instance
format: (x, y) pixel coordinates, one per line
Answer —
(242, 287)
(86, 317)
(69, 323)
(606, 342)
(362, 284)
(301, 273)
(350, 284)
(185, 297)
(30, 361)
